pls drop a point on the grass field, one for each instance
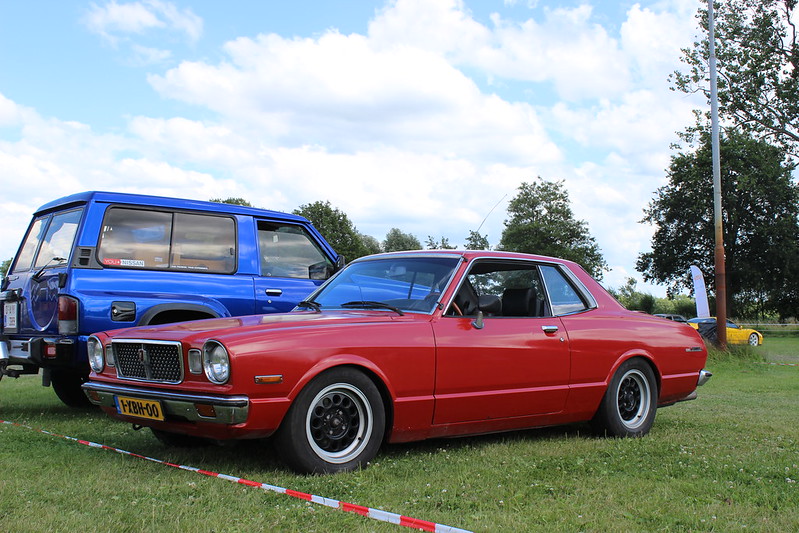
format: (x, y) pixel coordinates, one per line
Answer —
(726, 462)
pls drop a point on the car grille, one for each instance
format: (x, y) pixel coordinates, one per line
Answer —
(149, 360)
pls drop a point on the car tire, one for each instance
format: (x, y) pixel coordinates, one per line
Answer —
(179, 440)
(629, 405)
(336, 424)
(754, 340)
(66, 384)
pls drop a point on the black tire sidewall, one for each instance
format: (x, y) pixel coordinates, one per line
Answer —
(291, 441)
(67, 386)
(607, 419)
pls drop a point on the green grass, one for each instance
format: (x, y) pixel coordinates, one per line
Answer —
(728, 461)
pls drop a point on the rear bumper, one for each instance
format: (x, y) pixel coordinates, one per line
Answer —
(704, 377)
(38, 351)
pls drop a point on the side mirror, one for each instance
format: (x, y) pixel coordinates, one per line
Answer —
(487, 303)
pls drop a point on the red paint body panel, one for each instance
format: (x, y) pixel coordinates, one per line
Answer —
(439, 375)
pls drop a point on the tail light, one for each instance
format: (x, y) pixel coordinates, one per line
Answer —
(67, 315)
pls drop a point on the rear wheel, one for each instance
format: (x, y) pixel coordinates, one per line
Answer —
(630, 402)
(336, 424)
(66, 384)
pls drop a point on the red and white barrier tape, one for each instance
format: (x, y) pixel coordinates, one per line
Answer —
(779, 364)
(368, 512)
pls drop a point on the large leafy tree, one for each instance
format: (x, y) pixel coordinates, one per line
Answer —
(541, 221)
(336, 227)
(759, 219)
(443, 244)
(232, 200)
(397, 241)
(476, 241)
(758, 67)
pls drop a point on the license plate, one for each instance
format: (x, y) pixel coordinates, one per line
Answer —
(149, 409)
(10, 317)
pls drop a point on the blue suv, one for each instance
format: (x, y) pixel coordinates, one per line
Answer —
(98, 260)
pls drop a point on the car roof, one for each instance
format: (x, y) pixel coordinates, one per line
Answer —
(470, 255)
(162, 201)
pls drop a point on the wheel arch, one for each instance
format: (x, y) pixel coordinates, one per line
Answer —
(369, 369)
(636, 354)
(176, 312)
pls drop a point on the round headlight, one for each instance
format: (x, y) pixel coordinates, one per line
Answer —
(96, 357)
(216, 362)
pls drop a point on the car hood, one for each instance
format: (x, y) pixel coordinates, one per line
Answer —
(219, 328)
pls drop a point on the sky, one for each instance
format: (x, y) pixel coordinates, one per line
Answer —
(422, 115)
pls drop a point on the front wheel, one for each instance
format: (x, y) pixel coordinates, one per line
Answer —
(336, 424)
(753, 340)
(630, 402)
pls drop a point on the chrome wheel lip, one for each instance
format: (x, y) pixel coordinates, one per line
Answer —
(364, 416)
(633, 399)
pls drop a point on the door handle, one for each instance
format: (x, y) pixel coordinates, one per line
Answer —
(274, 292)
(549, 330)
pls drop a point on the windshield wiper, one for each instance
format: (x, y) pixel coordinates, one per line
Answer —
(369, 304)
(310, 305)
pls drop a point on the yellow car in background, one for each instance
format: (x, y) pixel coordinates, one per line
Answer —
(735, 334)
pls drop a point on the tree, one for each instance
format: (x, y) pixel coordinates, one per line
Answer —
(397, 241)
(371, 244)
(5, 266)
(336, 227)
(444, 244)
(541, 222)
(234, 201)
(759, 218)
(758, 68)
(475, 241)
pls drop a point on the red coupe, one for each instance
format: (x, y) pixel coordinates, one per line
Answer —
(401, 347)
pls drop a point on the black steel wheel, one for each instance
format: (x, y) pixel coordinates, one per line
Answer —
(630, 403)
(336, 424)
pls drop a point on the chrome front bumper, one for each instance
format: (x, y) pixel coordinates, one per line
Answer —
(704, 377)
(227, 409)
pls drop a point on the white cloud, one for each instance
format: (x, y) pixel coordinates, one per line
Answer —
(341, 92)
(144, 55)
(114, 21)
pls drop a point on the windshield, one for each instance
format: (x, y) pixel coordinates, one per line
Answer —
(412, 284)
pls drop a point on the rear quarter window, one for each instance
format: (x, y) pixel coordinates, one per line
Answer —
(138, 238)
(563, 297)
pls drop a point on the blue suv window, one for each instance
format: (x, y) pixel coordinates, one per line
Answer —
(52, 236)
(137, 238)
(288, 251)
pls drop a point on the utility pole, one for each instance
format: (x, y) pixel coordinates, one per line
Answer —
(721, 278)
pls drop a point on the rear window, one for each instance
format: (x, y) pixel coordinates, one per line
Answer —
(49, 240)
(137, 238)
